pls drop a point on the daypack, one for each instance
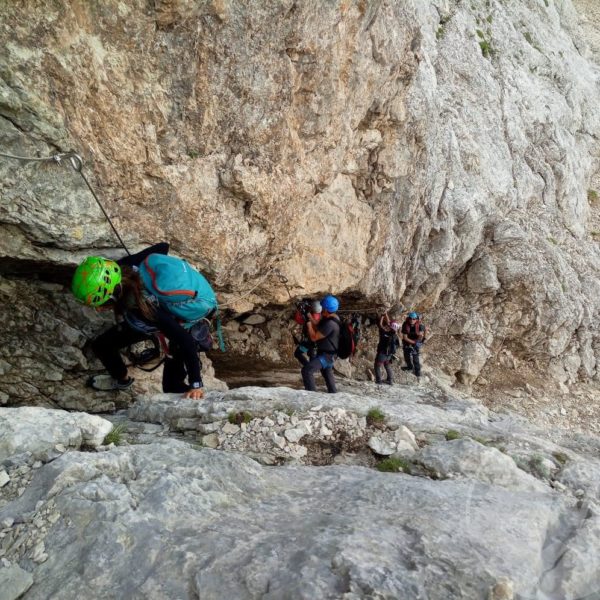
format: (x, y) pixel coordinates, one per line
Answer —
(349, 334)
(179, 288)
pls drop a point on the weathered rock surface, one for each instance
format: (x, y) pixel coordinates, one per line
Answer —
(469, 458)
(433, 154)
(14, 582)
(170, 519)
(35, 433)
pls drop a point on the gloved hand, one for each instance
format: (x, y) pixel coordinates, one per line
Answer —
(418, 345)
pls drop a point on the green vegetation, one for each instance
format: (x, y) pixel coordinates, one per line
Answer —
(552, 240)
(521, 463)
(537, 467)
(114, 436)
(375, 416)
(592, 196)
(441, 30)
(531, 41)
(393, 465)
(486, 49)
(547, 3)
(560, 457)
(193, 153)
(452, 434)
(237, 418)
(534, 466)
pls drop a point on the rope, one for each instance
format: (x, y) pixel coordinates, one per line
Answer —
(77, 163)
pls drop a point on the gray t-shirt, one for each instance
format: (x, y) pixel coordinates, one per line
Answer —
(330, 328)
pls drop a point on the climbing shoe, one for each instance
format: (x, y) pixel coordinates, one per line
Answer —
(406, 368)
(105, 383)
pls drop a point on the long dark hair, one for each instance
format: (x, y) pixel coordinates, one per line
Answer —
(131, 295)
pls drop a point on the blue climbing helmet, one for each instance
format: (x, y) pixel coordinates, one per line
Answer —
(413, 315)
(330, 303)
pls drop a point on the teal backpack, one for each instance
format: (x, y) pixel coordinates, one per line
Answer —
(178, 287)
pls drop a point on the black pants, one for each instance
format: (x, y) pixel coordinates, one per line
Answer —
(411, 357)
(108, 345)
(313, 366)
(383, 360)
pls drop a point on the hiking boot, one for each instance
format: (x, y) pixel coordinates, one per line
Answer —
(105, 383)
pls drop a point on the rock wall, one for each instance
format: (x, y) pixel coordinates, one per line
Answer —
(438, 154)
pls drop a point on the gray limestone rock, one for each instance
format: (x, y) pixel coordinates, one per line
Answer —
(14, 582)
(298, 531)
(471, 459)
(37, 432)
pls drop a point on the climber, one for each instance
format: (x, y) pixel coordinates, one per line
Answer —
(326, 334)
(388, 343)
(306, 349)
(140, 289)
(413, 336)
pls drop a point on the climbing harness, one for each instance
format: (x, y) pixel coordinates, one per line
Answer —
(76, 163)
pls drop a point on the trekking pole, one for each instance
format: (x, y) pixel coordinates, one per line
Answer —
(77, 163)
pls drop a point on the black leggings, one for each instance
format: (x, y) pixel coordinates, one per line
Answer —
(108, 345)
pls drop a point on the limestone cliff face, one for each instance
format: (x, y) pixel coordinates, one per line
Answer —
(436, 154)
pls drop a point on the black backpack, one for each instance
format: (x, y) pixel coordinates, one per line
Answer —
(349, 336)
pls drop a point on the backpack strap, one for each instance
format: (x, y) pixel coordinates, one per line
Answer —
(338, 321)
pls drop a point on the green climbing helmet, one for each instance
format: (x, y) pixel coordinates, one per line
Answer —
(95, 280)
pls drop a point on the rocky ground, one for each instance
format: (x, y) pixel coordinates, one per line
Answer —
(375, 492)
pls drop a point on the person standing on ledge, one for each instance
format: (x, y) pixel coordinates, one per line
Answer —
(413, 336)
(388, 342)
(305, 348)
(326, 335)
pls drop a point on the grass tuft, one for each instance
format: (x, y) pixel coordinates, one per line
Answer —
(452, 434)
(560, 457)
(115, 435)
(375, 416)
(393, 465)
(237, 418)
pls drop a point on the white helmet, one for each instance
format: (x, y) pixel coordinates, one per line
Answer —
(395, 325)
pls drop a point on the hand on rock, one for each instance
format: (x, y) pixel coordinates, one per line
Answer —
(196, 394)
